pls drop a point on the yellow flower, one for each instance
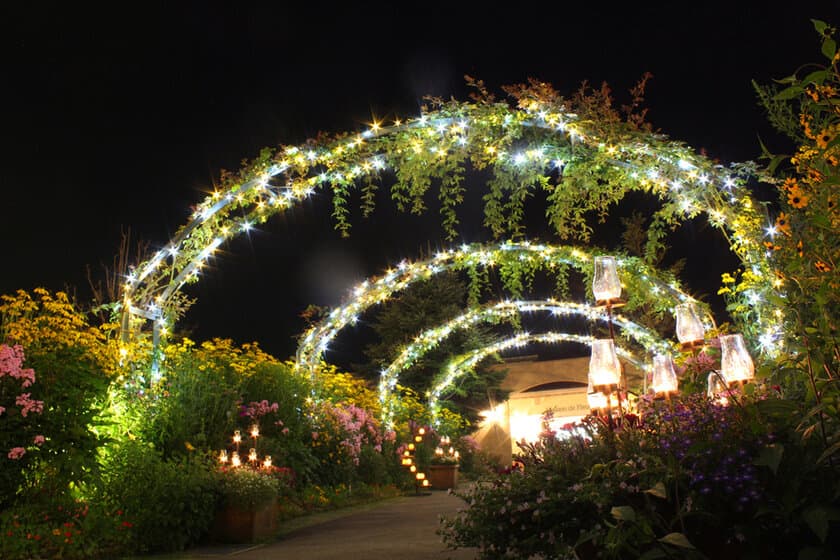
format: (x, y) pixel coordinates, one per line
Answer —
(783, 224)
(797, 198)
(727, 278)
(822, 267)
(790, 184)
(824, 137)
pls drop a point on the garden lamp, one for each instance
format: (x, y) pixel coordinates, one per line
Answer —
(690, 330)
(605, 283)
(604, 367)
(736, 365)
(664, 378)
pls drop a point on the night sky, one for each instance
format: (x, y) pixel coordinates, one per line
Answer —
(124, 116)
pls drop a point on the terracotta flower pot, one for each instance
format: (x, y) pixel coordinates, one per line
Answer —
(443, 477)
(237, 525)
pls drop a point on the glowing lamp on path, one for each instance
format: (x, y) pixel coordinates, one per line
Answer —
(690, 330)
(604, 367)
(605, 283)
(267, 462)
(234, 459)
(664, 378)
(223, 457)
(736, 366)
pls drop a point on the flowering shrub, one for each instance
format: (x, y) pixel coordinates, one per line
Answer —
(47, 434)
(684, 479)
(17, 429)
(804, 241)
(76, 530)
(247, 488)
(341, 435)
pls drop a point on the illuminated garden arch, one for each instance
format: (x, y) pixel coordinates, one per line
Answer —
(645, 284)
(463, 364)
(500, 311)
(581, 153)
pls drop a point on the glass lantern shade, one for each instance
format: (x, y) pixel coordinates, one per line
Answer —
(735, 362)
(690, 330)
(605, 283)
(664, 378)
(604, 367)
(716, 389)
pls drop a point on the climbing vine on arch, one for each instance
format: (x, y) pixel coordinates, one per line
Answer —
(577, 149)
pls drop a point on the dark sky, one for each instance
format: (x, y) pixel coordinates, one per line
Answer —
(124, 115)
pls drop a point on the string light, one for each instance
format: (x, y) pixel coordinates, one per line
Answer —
(375, 290)
(640, 160)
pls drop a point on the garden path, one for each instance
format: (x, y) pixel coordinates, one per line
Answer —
(402, 528)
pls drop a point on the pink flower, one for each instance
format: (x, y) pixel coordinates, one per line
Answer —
(28, 405)
(2, 409)
(39, 440)
(314, 435)
(16, 453)
(285, 431)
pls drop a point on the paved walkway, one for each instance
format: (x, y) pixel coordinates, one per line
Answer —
(402, 528)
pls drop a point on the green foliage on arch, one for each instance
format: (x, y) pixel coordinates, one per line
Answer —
(583, 153)
(517, 263)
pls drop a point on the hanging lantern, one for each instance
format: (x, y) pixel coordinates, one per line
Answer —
(716, 389)
(604, 367)
(664, 378)
(690, 330)
(605, 283)
(736, 366)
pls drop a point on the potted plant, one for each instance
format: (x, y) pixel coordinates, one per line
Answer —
(247, 505)
(443, 471)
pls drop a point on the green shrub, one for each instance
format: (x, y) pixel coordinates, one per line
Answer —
(169, 503)
(65, 528)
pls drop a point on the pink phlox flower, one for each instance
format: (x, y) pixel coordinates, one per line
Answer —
(11, 358)
(39, 440)
(285, 431)
(28, 405)
(16, 453)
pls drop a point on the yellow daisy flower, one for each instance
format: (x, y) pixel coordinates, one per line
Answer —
(824, 137)
(797, 198)
(783, 224)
